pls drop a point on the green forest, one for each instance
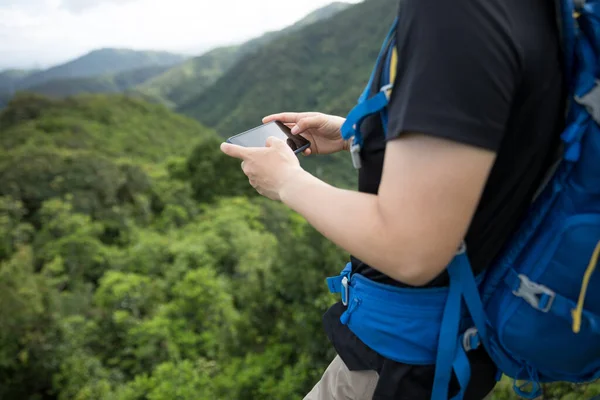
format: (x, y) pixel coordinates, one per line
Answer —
(137, 263)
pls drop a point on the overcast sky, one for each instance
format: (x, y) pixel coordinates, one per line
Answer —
(39, 33)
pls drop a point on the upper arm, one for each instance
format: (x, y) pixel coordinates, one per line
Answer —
(458, 69)
(457, 74)
(429, 191)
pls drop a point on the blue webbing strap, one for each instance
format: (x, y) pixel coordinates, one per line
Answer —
(365, 107)
(447, 344)
(382, 51)
(351, 127)
(461, 271)
(462, 369)
(451, 355)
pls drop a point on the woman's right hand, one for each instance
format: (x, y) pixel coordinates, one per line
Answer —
(322, 130)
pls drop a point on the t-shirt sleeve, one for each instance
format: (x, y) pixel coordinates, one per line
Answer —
(457, 72)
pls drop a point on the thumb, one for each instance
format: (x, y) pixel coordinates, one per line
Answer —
(235, 151)
(273, 141)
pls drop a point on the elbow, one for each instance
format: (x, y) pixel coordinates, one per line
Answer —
(417, 275)
(415, 253)
(418, 268)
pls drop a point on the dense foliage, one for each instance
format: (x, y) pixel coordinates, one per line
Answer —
(137, 263)
(151, 272)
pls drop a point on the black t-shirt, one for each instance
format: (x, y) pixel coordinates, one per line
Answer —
(486, 73)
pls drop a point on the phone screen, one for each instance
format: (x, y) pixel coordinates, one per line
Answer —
(257, 137)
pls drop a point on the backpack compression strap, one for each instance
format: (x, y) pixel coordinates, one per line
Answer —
(377, 104)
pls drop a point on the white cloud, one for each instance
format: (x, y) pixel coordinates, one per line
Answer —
(50, 31)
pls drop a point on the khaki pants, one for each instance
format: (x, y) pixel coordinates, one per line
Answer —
(339, 383)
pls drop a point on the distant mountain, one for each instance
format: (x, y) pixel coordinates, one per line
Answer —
(322, 67)
(109, 83)
(181, 83)
(10, 78)
(184, 82)
(102, 62)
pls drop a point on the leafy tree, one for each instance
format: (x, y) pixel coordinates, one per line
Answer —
(213, 174)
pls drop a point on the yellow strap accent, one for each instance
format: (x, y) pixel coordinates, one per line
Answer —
(576, 313)
(393, 65)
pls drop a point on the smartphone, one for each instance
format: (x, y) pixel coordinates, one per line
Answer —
(257, 137)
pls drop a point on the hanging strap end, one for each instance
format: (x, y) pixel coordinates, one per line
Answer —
(355, 154)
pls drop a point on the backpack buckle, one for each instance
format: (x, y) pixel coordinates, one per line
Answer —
(538, 296)
(470, 340)
(345, 291)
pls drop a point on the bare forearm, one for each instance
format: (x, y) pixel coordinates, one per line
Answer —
(354, 221)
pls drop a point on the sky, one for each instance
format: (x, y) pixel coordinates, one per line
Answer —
(41, 33)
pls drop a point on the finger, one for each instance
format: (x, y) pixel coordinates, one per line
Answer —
(307, 123)
(235, 151)
(307, 152)
(273, 141)
(287, 117)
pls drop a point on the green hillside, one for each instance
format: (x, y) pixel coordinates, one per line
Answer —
(109, 83)
(186, 81)
(330, 61)
(136, 263)
(115, 126)
(183, 82)
(101, 62)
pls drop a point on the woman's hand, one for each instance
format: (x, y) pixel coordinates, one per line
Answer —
(269, 169)
(322, 130)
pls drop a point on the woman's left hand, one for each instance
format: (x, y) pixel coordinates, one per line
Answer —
(269, 169)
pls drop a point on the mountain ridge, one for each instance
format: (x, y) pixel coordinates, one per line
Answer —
(100, 62)
(186, 81)
(108, 83)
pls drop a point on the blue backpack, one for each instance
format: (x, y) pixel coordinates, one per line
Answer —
(536, 310)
